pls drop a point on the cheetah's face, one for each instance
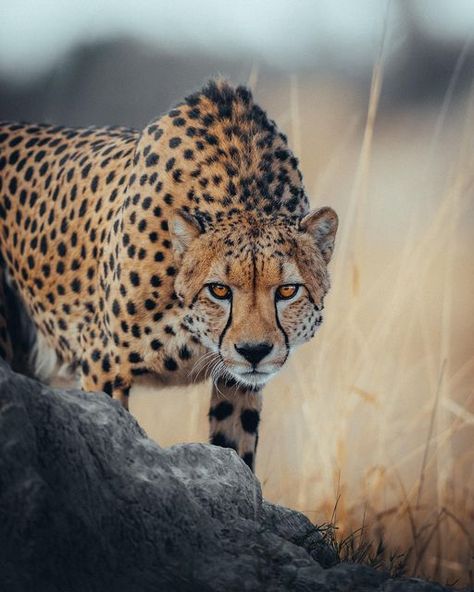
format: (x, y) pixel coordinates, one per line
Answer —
(253, 289)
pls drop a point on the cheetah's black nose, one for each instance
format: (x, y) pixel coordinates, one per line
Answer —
(254, 352)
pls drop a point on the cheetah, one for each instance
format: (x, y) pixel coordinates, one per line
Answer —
(180, 252)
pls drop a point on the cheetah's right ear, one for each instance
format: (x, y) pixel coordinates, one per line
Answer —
(184, 228)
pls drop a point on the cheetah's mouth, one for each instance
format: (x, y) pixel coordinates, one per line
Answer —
(248, 376)
(253, 378)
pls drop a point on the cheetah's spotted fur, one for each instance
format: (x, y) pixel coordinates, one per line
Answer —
(109, 236)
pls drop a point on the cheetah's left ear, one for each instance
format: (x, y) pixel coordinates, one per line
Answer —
(184, 228)
(322, 225)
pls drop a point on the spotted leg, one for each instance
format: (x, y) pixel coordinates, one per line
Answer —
(234, 417)
(101, 370)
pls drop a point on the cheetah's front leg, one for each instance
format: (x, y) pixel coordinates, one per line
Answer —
(101, 370)
(234, 417)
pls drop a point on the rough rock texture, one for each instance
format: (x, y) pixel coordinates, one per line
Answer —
(88, 503)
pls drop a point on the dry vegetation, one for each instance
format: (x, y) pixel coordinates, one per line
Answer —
(371, 424)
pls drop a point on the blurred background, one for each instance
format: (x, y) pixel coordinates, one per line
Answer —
(371, 425)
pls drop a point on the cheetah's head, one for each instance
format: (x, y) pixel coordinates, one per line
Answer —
(253, 288)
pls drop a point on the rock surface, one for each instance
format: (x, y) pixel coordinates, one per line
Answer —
(89, 503)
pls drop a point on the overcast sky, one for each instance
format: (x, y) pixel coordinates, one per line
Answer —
(36, 33)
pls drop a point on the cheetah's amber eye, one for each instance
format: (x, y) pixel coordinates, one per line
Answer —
(220, 291)
(287, 292)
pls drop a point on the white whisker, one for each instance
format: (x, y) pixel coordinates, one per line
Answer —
(200, 364)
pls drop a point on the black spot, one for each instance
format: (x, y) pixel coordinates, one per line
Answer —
(134, 357)
(170, 364)
(174, 142)
(219, 439)
(83, 208)
(156, 344)
(33, 198)
(61, 249)
(211, 139)
(249, 419)
(152, 159)
(282, 154)
(85, 171)
(76, 285)
(12, 186)
(146, 203)
(222, 410)
(194, 113)
(95, 355)
(40, 155)
(208, 119)
(116, 308)
(248, 459)
(108, 388)
(150, 304)
(155, 281)
(134, 278)
(106, 363)
(184, 353)
(14, 156)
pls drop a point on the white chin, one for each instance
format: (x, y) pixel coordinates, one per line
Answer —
(251, 379)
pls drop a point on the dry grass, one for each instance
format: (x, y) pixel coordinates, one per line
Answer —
(377, 411)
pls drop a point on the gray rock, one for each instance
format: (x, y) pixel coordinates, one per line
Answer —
(89, 503)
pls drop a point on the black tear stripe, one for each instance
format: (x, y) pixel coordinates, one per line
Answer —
(227, 325)
(285, 336)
